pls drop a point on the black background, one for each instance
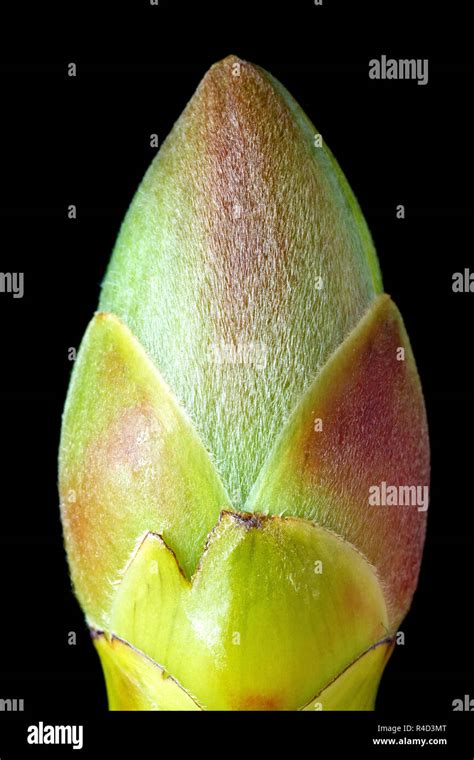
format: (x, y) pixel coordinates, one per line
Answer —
(85, 140)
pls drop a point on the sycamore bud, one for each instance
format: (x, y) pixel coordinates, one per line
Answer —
(244, 440)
